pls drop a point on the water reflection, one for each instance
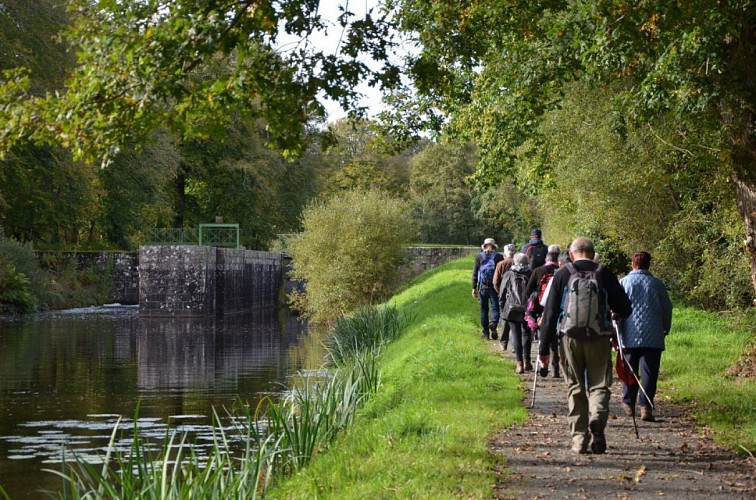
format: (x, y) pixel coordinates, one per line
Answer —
(66, 378)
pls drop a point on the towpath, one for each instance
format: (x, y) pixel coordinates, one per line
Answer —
(672, 459)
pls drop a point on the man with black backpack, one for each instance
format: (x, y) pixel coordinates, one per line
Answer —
(535, 249)
(583, 298)
(483, 289)
(537, 285)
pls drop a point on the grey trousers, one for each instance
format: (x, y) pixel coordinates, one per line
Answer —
(587, 369)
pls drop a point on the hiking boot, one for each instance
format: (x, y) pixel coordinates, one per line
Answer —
(518, 368)
(494, 334)
(543, 371)
(556, 373)
(598, 440)
(485, 336)
(628, 409)
(647, 415)
(528, 366)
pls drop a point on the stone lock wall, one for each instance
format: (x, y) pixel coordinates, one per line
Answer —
(203, 281)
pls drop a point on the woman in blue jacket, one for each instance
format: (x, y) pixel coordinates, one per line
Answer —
(643, 332)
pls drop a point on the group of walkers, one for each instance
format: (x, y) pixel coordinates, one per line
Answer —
(578, 310)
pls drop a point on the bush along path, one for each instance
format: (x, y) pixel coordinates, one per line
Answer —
(673, 458)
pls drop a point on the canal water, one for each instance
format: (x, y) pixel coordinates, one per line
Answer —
(67, 377)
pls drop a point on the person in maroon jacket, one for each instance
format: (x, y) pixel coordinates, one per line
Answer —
(586, 362)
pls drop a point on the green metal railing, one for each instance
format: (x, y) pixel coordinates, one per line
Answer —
(219, 235)
(212, 235)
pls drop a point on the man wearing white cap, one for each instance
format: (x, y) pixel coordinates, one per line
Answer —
(483, 289)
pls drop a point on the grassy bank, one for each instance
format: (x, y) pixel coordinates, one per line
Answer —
(696, 370)
(443, 393)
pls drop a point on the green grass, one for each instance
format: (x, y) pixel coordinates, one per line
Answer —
(442, 395)
(700, 349)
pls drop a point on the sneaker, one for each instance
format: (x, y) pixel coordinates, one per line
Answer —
(628, 409)
(579, 447)
(485, 336)
(494, 333)
(598, 440)
(647, 415)
(518, 368)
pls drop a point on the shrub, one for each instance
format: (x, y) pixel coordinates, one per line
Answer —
(349, 252)
(23, 284)
(16, 296)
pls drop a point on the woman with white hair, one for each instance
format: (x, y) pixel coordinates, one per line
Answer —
(512, 303)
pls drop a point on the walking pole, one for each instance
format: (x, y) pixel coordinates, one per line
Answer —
(535, 380)
(627, 365)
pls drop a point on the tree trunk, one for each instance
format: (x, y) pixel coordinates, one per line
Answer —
(745, 191)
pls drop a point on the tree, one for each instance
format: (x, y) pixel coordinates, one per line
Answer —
(495, 67)
(139, 65)
(359, 158)
(440, 196)
(349, 252)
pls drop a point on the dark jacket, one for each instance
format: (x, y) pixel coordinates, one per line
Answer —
(535, 263)
(619, 303)
(478, 261)
(538, 273)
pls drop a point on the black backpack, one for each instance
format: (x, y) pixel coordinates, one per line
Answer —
(516, 303)
(537, 254)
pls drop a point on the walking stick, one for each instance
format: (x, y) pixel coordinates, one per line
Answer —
(535, 380)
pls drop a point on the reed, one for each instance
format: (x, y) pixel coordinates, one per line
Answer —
(365, 329)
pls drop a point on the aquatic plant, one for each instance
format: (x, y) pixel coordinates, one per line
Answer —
(365, 329)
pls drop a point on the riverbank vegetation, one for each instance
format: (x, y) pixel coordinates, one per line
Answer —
(349, 252)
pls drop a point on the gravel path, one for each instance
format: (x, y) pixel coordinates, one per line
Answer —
(672, 458)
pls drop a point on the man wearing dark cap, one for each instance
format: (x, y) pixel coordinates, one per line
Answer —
(535, 249)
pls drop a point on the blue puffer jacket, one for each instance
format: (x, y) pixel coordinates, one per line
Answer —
(651, 319)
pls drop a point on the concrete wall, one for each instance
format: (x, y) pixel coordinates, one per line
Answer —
(121, 268)
(203, 281)
(422, 259)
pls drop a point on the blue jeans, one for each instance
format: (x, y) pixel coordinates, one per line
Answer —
(648, 360)
(488, 298)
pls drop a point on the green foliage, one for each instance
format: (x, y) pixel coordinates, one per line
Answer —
(16, 296)
(659, 189)
(145, 65)
(366, 329)
(440, 197)
(349, 251)
(358, 159)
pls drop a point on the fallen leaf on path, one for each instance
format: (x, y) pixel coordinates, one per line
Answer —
(640, 473)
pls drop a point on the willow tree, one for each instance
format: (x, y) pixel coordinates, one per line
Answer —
(495, 66)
